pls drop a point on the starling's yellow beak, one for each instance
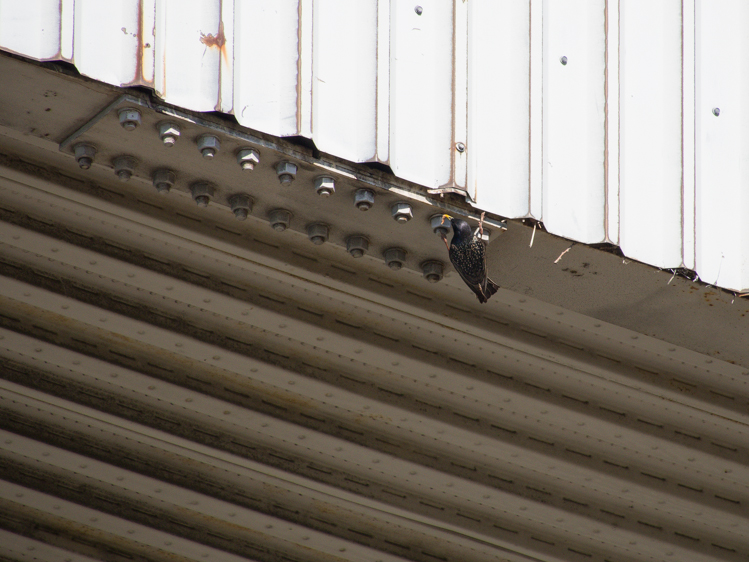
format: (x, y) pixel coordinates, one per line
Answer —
(448, 217)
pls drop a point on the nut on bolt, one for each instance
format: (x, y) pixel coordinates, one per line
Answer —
(402, 212)
(163, 180)
(357, 245)
(325, 186)
(202, 193)
(84, 154)
(129, 118)
(432, 270)
(286, 172)
(439, 227)
(241, 205)
(168, 133)
(279, 219)
(209, 145)
(318, 233)
(124, 167)
(395, 258)
(364, 199)
(247, 158)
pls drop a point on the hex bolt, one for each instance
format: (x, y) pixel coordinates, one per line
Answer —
(280, 219)
(84, 154)
(357, 245)
(325, 186)
(124, 167)
(286, 172)
(241, 205)
(433, 270)
(168, 133)
(202, 193)
(402, 212)
(129, 118)
(438, 226)
(395, 258)
(163, 180)
(364, 199)
(208, 145)
(247, 158)
(318, 233)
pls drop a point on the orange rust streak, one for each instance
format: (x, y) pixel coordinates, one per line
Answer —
(219, 40)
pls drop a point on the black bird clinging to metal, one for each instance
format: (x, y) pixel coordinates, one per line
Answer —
(468, 256)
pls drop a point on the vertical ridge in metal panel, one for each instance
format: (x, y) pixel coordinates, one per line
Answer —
(573, 117)
(499, 106)
(651, 121)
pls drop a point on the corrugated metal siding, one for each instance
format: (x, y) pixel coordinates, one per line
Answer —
(620, 144)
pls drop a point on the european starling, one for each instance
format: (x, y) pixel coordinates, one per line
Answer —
(468, 256)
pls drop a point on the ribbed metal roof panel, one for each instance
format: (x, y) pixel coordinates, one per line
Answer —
(620, 143)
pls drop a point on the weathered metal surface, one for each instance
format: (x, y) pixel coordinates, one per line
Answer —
(467, 97)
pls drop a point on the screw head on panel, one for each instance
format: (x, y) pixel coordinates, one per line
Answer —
(563, 60)
(716, 111)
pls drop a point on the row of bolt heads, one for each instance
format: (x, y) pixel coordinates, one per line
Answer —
(241, 204)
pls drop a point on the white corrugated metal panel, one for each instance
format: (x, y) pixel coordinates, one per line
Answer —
(617, 145)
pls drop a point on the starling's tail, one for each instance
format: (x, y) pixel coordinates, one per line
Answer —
(485, 292)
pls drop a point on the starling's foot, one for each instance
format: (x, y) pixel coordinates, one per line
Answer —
(481, 225)
(444, 239)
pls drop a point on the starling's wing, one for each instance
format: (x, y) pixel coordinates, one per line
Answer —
(469, 260)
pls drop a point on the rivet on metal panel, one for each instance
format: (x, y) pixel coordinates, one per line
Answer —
(202, 193)
(286, 172)
(279, 219)
(716, 111)
(241, 205)
(163, 180)
(208, 145)
(124, 167)
(168, 133)
(563, 60)
(129, 118)
(419, 10)
(460, 147)
(325, 186)
(433, 270)
(318, 233)
(247, 158)
(364, 199)
(357, 245)
(438, 225)
(402, 211)
(395, 258)
(84, 155)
